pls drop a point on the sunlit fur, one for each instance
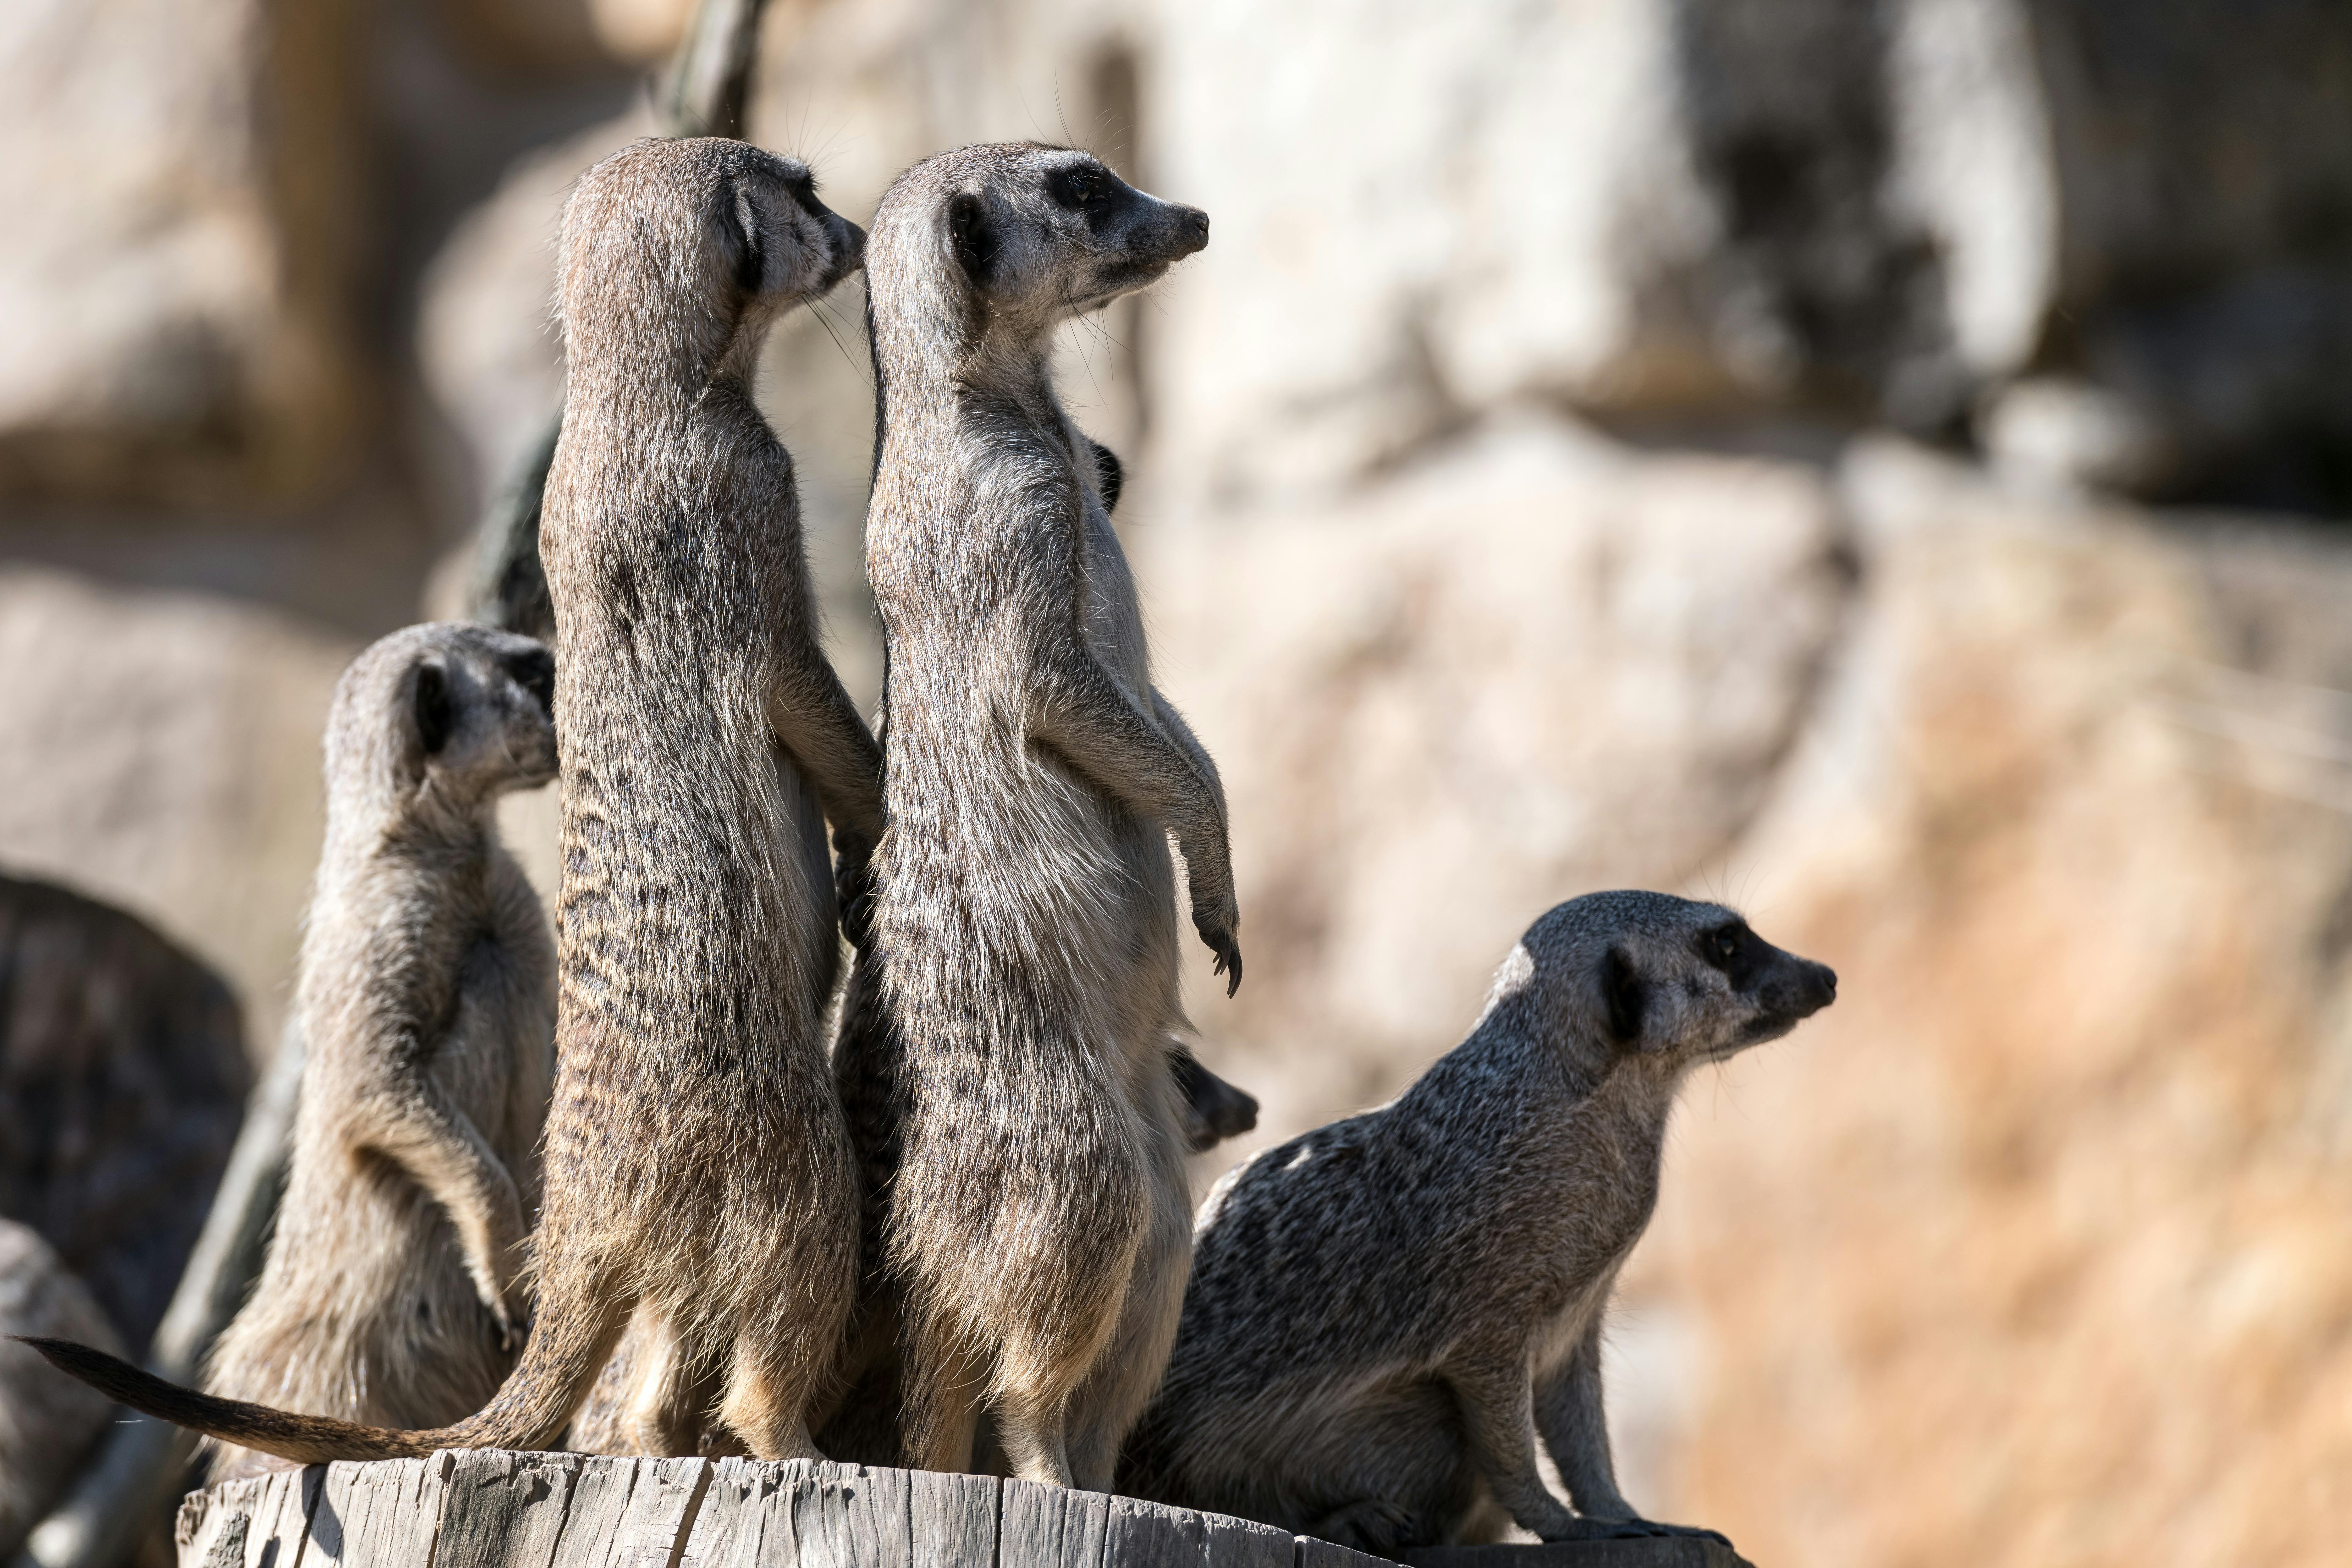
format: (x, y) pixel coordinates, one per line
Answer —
(426, 1004)
(696, 1168)
(1387, 1313)
(1005, 1061)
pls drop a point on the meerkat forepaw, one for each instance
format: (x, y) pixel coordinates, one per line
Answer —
(1229, 958)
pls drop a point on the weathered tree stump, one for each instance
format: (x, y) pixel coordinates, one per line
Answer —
(490, 1509)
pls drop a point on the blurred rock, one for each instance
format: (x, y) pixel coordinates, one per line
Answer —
(486, 338)
(179, 193)
(123, 1082)
(47, 1422)
(2204, 157)
(1535, 665)
(161, 752)
(543, 39)
(2037, 1241)
(2055, 434)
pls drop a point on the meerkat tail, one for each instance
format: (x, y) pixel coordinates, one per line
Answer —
(306, 1439)
(560, 1362)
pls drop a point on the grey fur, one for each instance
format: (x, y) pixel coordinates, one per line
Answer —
(1386, 1312)
(1006, 1060)
(426, 994)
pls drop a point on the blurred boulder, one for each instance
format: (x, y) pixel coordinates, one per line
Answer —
(564, 38)
(2203, 154)
(47, 1422)
(122, 1082)
(1536, 665)
(486, 337)
(2037, 1241)
(179, 186)
(162, 750)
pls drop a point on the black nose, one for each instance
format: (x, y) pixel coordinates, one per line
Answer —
(1195, 227)
(1824, 984)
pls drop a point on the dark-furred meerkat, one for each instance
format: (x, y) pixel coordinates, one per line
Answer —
(1024, 942)
(425, 1001)
(1387, 1313)
(696, 1168)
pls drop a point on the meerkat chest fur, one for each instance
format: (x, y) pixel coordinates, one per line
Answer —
(981, 563)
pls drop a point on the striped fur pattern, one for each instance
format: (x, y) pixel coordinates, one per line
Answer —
(1387, 1314)
(1006, 1054)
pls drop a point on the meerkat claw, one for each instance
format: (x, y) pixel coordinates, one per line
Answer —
(1228, 962)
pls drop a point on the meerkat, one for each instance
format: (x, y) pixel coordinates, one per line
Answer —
(697, 1169)
(1022, 944)
(425, 995)
(863, 1423)
(1333, 1374)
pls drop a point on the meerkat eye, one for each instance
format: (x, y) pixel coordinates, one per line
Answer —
(1079, 188)
(1727, 946)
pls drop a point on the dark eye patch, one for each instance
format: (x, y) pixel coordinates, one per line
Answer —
(535, 671)
(1733, 949)
(1080, 188)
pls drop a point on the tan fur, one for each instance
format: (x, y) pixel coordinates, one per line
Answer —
(1005, 1061)
(698, 1171)
(425, 1000)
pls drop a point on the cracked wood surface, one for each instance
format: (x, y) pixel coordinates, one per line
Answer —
(491, 1509)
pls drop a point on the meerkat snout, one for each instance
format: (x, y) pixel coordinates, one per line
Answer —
(480, 711)
(1056, 233)
(1741, 991)
(788, 244)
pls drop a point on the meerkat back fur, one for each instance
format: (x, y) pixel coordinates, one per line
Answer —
(1386, 1313)
(425, 1000)
(696, 1168)
(1023, 940)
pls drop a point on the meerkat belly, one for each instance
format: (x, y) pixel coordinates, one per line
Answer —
(388, 1332)
(710, 853)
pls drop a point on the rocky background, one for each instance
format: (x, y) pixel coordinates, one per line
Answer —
(1875, 461)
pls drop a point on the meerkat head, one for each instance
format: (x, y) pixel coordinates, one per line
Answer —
(1649, 974)
(678, 255)
(433, 722)
(1024, 235)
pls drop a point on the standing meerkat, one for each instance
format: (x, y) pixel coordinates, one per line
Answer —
(1024, 947)
(426, 996)
(698, 1171)
(1385, 1314)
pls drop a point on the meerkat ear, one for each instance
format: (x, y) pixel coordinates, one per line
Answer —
(972, 235)
(1110, 474)
(1625, 993)
(433, 718)
(751, 252)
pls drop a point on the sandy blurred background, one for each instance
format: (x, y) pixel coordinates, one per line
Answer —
(1879, 463)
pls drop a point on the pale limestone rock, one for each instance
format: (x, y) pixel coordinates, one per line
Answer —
(161, 752)
(2037, 1241)
(172, 318)
(47, 1422)
(486, 338)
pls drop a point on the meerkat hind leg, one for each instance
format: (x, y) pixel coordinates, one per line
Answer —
(671, 1402)
(940, 1401)
(767, 1400)
(1035, 1443)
